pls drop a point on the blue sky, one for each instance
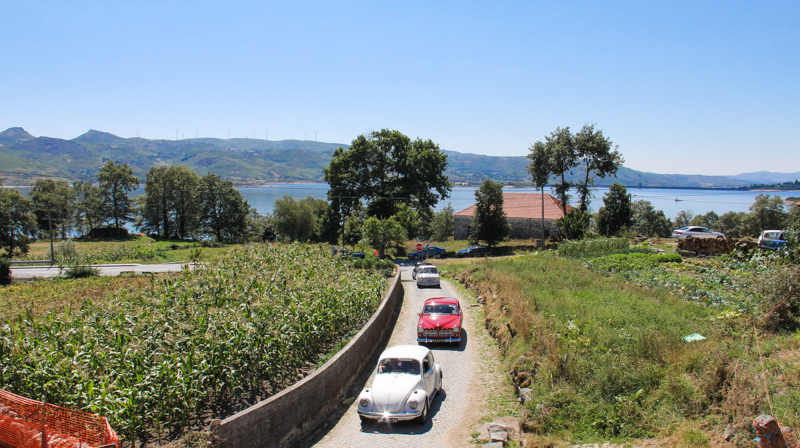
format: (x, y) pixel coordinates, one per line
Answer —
(682, 87)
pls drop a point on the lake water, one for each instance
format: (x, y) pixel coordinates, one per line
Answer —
(671, 201)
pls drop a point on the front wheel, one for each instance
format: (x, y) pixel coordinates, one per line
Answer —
(423, 418)
(720, 238)
(438, 256)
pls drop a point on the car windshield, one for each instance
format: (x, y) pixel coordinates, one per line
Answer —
(399, 365)
(440, 308)
(427, 270)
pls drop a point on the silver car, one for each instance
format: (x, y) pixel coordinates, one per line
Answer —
(695, 232)
(427, 276)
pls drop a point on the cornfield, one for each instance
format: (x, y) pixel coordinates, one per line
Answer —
(188, 348)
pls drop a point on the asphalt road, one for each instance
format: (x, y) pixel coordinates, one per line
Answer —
(453, 411)
(105, 269)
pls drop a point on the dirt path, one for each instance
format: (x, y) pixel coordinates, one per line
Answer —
(456, 410)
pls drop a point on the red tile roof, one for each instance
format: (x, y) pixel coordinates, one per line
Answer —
(526, 205)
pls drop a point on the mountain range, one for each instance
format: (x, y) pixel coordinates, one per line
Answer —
(24, 158)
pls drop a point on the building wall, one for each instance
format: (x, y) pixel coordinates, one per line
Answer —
(521, 228)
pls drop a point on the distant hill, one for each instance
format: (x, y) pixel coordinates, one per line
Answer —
(767, 177)
(24, 158)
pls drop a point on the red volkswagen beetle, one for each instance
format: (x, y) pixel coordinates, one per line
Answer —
(440, 321)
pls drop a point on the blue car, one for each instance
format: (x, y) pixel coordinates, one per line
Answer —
(474, 251)
(773, 239)
(428, 252)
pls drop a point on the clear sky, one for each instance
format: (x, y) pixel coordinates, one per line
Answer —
(687, 87)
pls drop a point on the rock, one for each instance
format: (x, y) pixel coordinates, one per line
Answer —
(498, 433)
(524, 394)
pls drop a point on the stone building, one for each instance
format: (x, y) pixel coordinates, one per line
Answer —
(524, 212)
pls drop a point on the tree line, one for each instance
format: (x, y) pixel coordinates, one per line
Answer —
(177, 203)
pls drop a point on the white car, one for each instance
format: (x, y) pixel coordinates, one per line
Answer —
(695, 232)
(406, 381)
(427, 275)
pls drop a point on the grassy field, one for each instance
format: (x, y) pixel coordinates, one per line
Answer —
(600, 345)
(135, 249)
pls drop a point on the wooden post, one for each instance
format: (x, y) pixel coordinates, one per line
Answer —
(768, 432)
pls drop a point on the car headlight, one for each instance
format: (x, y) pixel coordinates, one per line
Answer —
(420, 329)
(364, 402)
(456, 329)
(413, 404)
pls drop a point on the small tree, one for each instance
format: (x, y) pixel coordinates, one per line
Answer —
(540, 168)
(443, 224)
(617, 213)
(574, 225)
(650, 222)
(595, 156)
(766, 213)
(683, 219)
(225, 213)
(379, 233)
(730, 224)
(489, 223)
(17, 222)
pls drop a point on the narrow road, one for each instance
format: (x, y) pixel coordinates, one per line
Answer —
(105, 269)
(453, 411)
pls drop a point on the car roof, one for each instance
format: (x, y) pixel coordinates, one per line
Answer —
(406, 351)
(434, 300)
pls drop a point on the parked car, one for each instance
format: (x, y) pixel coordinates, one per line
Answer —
(344, 252)
(428, 252)
(427, 275)
(695, 232)
(416, 267)
(773, 239)
(407, 379)
(474, 251)
(440, 321)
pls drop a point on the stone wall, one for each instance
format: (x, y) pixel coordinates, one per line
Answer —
(287, 416)
(521, 228)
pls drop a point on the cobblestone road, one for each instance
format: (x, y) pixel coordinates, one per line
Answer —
(452, 412)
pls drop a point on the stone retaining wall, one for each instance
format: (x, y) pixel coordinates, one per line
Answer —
(285, 417)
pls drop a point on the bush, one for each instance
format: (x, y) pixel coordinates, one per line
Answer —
(780, 303)
(80, 271)
(5, 271)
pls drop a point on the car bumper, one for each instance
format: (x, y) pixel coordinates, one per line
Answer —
(435, 340)
(419, 284)
(400, 416)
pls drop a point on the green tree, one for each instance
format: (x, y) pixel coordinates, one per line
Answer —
(489, 223)
(617, 214)
(17, 221)
(409, 219)
(89, 206)
(540, 169)
(354, 227)
(596, 157)
(730, 224)
(562, 156)
(384, 169)
(54, 203)
(766, 213)
(155, 206)
(573, 226)
(186, 206)
(650, 222)
(379, 233)
(709, 220)
(301, 220)
(443, 224)
(683, 219)
(225, 212)
(115, 183)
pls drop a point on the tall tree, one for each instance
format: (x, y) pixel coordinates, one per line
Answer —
(617, 214)
(295, 220)
(225, 211)
(17, 221)
(155, 206)
(384, 169)
(596, 157)
(556, 156)
(766, 213)
(89, 206)
(684, 218)
(540, 168)
(116, 181)
(185, 203)
(489, 223)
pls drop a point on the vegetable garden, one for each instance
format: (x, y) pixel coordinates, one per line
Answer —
(205, 344)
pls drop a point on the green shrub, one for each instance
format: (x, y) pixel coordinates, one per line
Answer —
(5, 271)
(80, 271)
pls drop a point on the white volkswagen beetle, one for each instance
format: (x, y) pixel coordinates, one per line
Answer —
(406, 381)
